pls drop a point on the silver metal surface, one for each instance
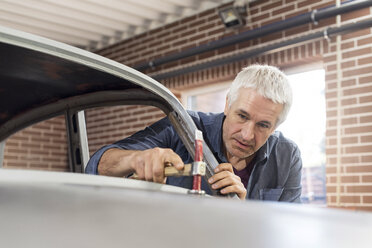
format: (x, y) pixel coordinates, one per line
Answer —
(47, 178)
(156, 92)
(105, 65)
(59, 215)
(2, 148)
(78, 150)
(83, 137)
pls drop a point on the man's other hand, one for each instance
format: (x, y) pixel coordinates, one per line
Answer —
(225, 180)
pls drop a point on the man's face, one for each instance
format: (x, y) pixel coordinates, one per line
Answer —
(249, 122)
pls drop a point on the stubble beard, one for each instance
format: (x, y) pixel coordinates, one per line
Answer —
(239, 152)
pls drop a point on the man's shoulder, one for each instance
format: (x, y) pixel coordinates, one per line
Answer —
(206, 117)
(277, 138)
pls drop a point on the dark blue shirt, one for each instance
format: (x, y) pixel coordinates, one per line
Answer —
(275, 175)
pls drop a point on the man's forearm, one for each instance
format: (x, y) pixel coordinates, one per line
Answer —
(113, 163)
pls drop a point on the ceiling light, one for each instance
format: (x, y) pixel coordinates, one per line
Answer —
(231, 17)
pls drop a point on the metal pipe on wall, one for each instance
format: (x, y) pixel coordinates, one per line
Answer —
(310, 17)
(254, 52)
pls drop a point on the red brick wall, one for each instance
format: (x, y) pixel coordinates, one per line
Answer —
(349, 168)
(110, 124)
(349, 118)
(42, 146)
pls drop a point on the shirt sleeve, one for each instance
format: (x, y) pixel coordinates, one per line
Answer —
(160, 134)
(292, 188)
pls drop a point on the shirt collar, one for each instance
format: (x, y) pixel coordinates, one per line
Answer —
(215, 135)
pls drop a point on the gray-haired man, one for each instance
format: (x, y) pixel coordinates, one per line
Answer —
(256, 162)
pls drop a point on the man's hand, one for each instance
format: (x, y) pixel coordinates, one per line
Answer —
(148, 164)
(227, 181)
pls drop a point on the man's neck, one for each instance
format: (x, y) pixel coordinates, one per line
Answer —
(240, 163)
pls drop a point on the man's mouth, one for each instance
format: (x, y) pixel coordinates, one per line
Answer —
(243, 144)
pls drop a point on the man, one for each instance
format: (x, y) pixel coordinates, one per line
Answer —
(255, 161)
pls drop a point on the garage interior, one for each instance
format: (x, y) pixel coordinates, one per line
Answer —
(186, 46)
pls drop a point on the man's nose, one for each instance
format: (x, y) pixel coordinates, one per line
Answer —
(248, 131)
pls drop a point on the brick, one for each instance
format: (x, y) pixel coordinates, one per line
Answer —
(365, 80)
(366, 178)
(19, 137)
(322, 4)
(349, 101)
(348, 121)
(357, 110)
(330, 95)
(347, 83)
(328, 59)
(19, 164)
(364, 41)
(332, 142)
(271, 6)
(359, 189)
(216, 31)
(347, 64)
(365, 99)
(332, 179)
(359, 168)
(364, 61)
(331, 113)
(350, 199)
(331, 86)
(206, 27)
(333, 189)
(196, 37)
(330, 151)
(305, 3)
(296, 30)
(366, 119)
(272, 37)
(331, 123)
(283, 10)
(271, 21)
(331, 160)
(347, 45)
(331, 132)
(366, 159)
(226, 49)
(366, 139)
(355, 14)
(331, 199)
(358, 130)
(367, 199)
(296, 13)
(331, 169)
(359, 149)
(260, 17)
(350, 179)
(356, 53)
(331, 104)
(356, 34)
(350, 160)
(325, 23)
(349, 140)
(357, 90)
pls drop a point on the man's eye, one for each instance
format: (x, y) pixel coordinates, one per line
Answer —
(243, 117)
(263, 125)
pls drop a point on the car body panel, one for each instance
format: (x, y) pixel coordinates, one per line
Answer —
(50, 209)
(45, 78)
(73, 213)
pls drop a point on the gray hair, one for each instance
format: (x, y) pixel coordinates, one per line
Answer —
(269, 82)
